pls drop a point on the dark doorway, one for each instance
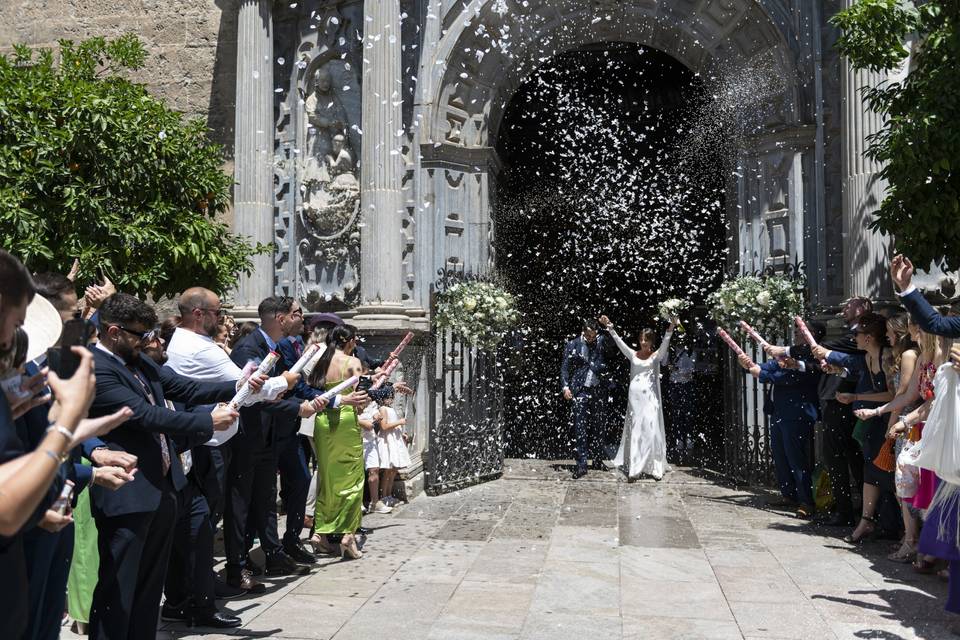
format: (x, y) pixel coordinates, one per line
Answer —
(602, 209)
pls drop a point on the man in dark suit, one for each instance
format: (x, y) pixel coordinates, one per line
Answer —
(135, 522)
(252, 478)
(580, 374)
(842, 454)
(791, 400)
(901, 269)
(292, 458)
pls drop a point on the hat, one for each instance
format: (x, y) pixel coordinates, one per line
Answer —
(43, 326)
(323, 318)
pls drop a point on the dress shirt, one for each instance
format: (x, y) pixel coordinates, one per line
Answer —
(197, 356)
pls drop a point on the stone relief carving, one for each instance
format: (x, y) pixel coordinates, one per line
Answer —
(327, 172)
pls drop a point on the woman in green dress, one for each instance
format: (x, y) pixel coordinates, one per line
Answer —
(339, 448)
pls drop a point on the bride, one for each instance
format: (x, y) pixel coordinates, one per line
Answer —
(643, 447)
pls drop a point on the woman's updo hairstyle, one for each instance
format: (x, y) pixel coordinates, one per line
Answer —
(338, 338)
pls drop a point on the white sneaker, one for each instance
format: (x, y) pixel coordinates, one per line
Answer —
(380, 507)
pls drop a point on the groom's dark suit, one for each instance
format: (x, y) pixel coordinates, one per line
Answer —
(581, 371)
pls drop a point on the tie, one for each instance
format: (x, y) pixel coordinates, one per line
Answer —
(161, 439)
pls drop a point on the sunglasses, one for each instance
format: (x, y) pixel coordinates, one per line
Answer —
(143, 336)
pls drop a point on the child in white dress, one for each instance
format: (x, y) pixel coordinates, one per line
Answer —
(396, 455)
(374, 453)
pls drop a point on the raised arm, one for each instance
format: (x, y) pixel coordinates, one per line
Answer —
(664, 349)
(624, 348)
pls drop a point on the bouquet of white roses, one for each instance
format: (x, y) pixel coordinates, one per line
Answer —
(480, 312)
(767, 303)
(672, 308)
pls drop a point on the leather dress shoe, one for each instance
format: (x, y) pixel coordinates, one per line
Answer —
(224, 591)
(173, 614)
(299, 554)
(578, 473)
(597, 465)
(280, 564)
(253, 567)
(247, 583)
(217, 620)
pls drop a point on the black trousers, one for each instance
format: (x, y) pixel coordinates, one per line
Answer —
(48, 565)
(588, 425)
(14, 600)
(190, 579)
(294, 486)
(842, 455)
(210, 469)
(134, 551)
(251, 505)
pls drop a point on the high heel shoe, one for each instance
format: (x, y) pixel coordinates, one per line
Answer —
(348, 548)
(320, 544)
(871, 530)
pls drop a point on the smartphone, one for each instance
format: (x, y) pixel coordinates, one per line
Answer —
(364, 383)
(76, 333)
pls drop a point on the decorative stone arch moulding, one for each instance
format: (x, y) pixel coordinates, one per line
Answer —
(484, 56)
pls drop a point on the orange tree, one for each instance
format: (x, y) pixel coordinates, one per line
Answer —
(94, 167)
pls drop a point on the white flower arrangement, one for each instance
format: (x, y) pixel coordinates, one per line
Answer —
(672, 308)
(480, 312)
(767, 303)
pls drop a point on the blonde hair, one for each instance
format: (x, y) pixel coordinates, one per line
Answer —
(933, 348)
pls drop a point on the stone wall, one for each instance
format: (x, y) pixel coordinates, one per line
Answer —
(192, 45)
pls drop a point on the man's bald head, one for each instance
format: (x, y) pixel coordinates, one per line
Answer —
(199, 310)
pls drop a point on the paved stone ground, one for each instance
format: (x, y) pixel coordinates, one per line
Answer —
(535, 556)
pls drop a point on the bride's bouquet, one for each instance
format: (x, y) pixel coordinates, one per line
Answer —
(672, 308)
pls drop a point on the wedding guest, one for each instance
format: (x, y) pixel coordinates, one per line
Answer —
(682, 396)
(791, 401)
(871, 391)
(842, 455)
(901, 270)
(374, 456)
(339, 451)
(252, 474)
(394, 445)
(291, 456)
(135, 523)
(581, 371)
(906, 374)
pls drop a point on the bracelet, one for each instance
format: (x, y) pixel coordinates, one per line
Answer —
(52, 456)
(66, 433)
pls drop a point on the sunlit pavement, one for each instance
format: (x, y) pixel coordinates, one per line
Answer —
(535, 555)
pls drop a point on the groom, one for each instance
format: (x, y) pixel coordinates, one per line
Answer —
(583, 364)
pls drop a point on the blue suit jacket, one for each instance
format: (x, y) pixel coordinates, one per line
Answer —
(117, 387)
(264, 423)
(927, 317)
(574, 368)
(795, 394)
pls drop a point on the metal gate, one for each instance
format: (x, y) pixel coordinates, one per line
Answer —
(465, 391)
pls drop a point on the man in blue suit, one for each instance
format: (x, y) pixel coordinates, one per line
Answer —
(791, 400)
(580, 373)
(136, 521)
(901, 270)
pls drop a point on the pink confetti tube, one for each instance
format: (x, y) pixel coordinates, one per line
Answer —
(384, 375)
(308, 354)
(750, 331)
(266, 366)
(403, 343)
(805, 331)
(349, 382)
(731, 343)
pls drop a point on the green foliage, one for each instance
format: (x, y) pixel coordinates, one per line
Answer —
(920, 142)
(93, 167)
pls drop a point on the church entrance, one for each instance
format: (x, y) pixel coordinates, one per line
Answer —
(608, 203)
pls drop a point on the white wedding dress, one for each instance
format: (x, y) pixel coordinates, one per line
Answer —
(643, 447)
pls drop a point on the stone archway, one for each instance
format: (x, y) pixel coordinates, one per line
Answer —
(478, 53)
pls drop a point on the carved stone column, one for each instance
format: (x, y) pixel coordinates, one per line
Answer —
(381, 169)
(253, 194)
(863, 190)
